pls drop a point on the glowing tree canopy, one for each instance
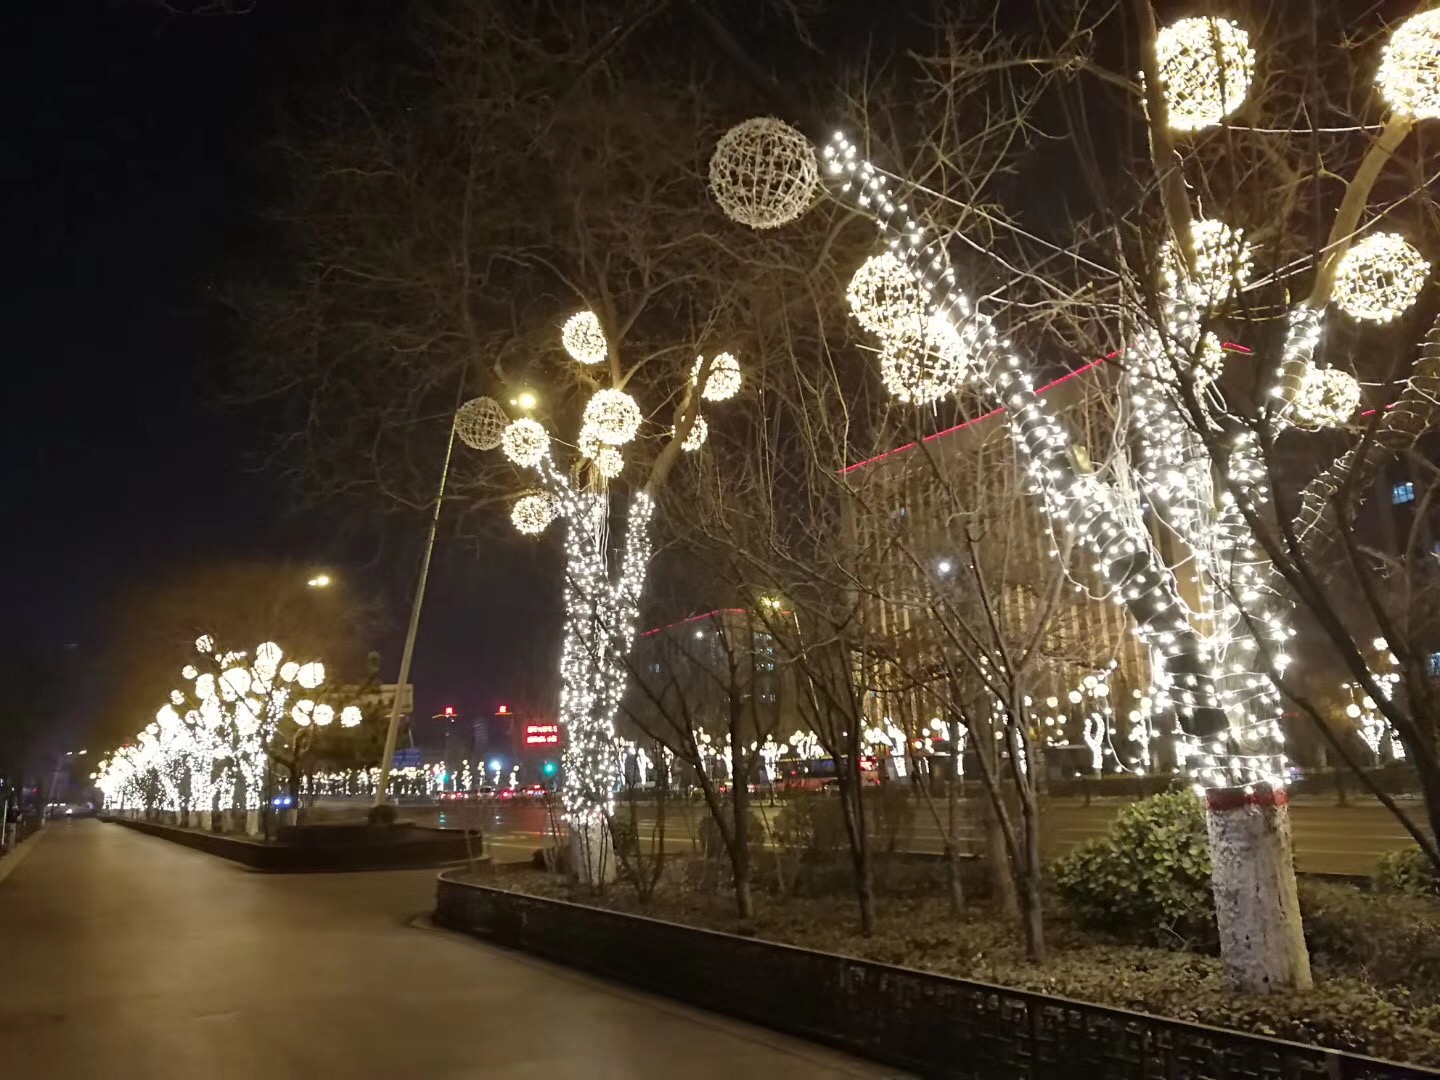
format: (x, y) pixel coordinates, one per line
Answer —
(533, 512)
(724, 380)
(1409, 75)
(480, 423)
(612, 417)
(886, 297)
(584, 338)
(1222, 264)
(525, 442)
(699, 432)
(1206, 65)
(763, 173)
(1327, 397)
(1379, 278)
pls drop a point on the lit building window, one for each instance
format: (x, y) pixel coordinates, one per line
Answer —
(1403, 493)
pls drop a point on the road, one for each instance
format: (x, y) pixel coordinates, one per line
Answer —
(1329, 839)
(127, 957)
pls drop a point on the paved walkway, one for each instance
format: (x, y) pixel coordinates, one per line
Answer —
(125, 956)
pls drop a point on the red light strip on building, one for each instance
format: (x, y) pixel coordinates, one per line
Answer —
(1228, 346)
(696, 618)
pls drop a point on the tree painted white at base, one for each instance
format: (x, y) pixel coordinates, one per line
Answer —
(1253, 876)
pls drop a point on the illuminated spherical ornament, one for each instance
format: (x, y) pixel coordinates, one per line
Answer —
(205, 644)
(525, 442)
(350, 716)
(923, 368)
(1379, 278)
(1327, 397)
(324, 715)
(533, 512)
(177, 698)
(205, 687)
(609, 462)
(584, 338)
(480, 423)
(311, 675)
(1409, 75)
(885, 296)
(234, 682)
(1206, 65)
(724, 379)
(301, 712)
(699, 432)
(763, 173)
(612, 417)
(1222, 263)
(188, 671)
(289, 670)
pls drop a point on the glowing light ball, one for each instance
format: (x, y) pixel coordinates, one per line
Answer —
(301, 713)
(533, 512)
(311, 675)
(289, 670)
(234, 683)
(699, 432)
(205, 687)
(188, 671)
(1222, 263)
(609, 462)
(350, 716)
(1327, 397)
(724, 379)
(205, 644)
(1206, 66)
(525, 442)
(1379, 278)
(480, 423)
(1409, 75)
(886, 297)
(584, 338)
(177, 698)
(920, 369)
(324, 715)
(763, 173)
(612, 417)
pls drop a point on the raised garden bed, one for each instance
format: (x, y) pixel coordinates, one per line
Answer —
(314, 848)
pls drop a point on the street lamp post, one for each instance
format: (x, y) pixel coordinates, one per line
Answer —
(387, 759)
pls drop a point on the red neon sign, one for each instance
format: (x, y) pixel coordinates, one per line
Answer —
(542, 734)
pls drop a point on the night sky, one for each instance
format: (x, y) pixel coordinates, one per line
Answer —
(132, 197)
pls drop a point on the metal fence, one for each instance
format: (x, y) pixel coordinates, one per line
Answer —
(931, 1024)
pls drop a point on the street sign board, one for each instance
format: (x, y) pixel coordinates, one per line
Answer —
(408, 758)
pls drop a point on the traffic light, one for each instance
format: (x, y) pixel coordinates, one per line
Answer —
(548, 768)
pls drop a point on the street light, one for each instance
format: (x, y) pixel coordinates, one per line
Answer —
(525, 400)
(319, 581)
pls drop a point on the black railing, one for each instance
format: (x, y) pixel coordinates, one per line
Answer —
(932, 1024)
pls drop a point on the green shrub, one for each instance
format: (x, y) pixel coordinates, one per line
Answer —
(811, 822)
(1388, 940)
(1148, 878)
(1407, 872)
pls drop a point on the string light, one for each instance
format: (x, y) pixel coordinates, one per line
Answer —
(699, 431)
(763, 173)
(525, 442)
(480, 423)
(584, 338)
(1328, 397)
(1223, 262)
(1379, 278)
(724, 379)
(533, 512)
(612, 417)
(1205, 65)
(1409, 74)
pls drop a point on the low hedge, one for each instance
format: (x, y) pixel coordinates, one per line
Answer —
(1391, 941)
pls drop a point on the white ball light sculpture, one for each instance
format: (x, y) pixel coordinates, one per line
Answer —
(886, 297)
(1223, 262)
(324, 715)
(188, 671)
(311, 675)
(612, 417)
(763, 173)
(584, 338)
(609, 462)
(204, 644)
(1206, 66)
(533, 512)
(699, 432)
(350, 716)
(724, 379)
(923, 368)
(1379, 278)
(525, 442)
(1327, 397)
(480, 423)
(1409, 75)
